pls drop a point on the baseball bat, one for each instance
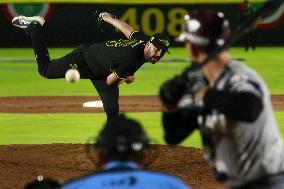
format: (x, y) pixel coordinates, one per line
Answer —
(246, 26)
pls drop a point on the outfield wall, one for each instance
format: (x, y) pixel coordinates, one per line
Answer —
(69, 24)
(131, 1)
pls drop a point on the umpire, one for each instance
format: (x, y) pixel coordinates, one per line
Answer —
(106, 64)
(120, 149)
(245, 12)
(230, 105)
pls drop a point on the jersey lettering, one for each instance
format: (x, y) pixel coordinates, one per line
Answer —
(121, 43)
(135, 44)
(128, 181)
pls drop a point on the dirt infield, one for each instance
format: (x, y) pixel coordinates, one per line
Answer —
(22, 163)
(73, 104)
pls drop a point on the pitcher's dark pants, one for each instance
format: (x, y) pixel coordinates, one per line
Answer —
(56, 68)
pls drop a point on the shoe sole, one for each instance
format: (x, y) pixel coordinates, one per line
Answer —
(38, 19)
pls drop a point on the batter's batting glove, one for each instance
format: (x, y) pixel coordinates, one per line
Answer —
(171, 92)
(188, 83)
(101, 22)
(195, 80)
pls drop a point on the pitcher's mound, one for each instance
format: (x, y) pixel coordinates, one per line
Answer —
(23, 163)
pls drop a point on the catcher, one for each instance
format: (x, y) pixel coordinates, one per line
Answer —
(230, 105)
(106, 64)
(120, 149)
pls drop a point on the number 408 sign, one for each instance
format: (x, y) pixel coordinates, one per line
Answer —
(154, 20)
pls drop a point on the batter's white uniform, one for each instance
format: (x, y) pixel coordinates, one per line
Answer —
(239, 151)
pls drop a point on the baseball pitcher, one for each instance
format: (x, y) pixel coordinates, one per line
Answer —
(106, 64)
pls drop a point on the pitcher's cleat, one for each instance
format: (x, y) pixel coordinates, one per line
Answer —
(23, 21)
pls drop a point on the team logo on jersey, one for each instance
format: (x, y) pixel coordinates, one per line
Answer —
(123, 43)
(28, 9)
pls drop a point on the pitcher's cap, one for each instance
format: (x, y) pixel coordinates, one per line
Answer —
(161, 41)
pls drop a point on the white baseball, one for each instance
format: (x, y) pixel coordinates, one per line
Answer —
(40, 178)
(72, 75)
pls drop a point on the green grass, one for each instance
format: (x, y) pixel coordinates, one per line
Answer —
(22, 79)
(268, 62)
(77, 128)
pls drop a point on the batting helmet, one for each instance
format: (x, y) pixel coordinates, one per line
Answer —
(205, 30)
(121, 138)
